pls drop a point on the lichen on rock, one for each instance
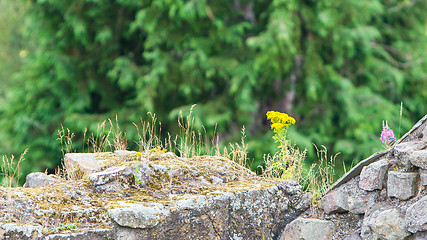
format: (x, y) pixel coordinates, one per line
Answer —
(153, 196)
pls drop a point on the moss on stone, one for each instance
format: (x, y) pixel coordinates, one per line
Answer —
(80, 204)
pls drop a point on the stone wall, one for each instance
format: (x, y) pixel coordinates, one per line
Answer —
(123, 195)
(386, 198)
(158, 196)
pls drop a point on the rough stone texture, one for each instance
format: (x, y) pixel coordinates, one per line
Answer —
(372, 176)
(138, 215)
(14, 231)
(416, 216)
(39, 179)
(252, 214)
(401, 185)
(335, 202)
(358, 200)
(98, 234)
(108, 175)
(419, 158)
(424, 138)
(384, 222)
(400, 156)
(354, 236)
(358, 204)
(112, 179)
(79, 165)
(418, 236)
(308, 229)
(423, 177)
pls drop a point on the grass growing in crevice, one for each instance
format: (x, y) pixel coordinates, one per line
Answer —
(288, 161)
(237, 152)
(285, 164)
(320, 175)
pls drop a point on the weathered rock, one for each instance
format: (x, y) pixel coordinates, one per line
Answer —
(308, 229)
(124, 152)
(97, 234)
(291, 187)
(335, 202)
(418, 236)
(354, 236)
(416, 216)
(109, 175)
(401, 185)
(79, 165)
(138, 215)
(252, 214)
(138, 173)
(423, 177)
(419, 158)
(372, 176)
(39, 179)
(115, 186)
(402, 152)
(359, 203)
(424, 134)
(14, 231)
(354, 199)
(384, 222)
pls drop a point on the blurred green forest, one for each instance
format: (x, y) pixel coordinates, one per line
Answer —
(338, 67)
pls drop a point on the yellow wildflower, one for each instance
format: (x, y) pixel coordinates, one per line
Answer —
(279, 120)
(138, 153)
(278, 126)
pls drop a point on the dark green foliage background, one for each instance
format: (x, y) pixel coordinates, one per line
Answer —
(339, 67)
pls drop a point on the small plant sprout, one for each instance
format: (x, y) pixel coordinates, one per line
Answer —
(135, 174)
(387, 136)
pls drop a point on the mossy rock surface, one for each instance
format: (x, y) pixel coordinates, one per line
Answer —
(178, 192)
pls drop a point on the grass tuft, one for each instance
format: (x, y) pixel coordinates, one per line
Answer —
(10, 170)
(320, 175)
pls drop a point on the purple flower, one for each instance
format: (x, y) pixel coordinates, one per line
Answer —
(387, 136)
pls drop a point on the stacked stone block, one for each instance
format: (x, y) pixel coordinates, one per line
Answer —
(387, 200)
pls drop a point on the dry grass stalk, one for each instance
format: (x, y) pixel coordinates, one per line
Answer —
(286, 164)
(10, 170)
(320, 175)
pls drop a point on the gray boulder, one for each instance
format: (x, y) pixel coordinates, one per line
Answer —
(335, 202)
(372, 176)
(384, 222)
(419, 158)
(138, 215)
(17, 231)
(39, 179)
(401, 185)
(308, 229)
(403, 151)
(416, 216)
